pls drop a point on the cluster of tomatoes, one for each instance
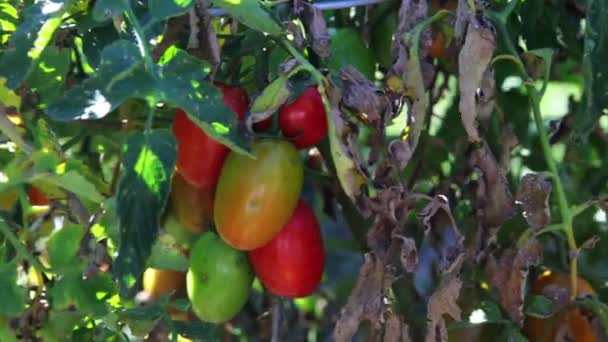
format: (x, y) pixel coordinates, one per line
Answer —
(263, 227)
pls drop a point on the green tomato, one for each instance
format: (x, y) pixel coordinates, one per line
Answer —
(219, 279)
(348, 48)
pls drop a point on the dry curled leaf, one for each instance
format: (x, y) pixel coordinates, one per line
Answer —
(533, 195)
(345, 153)
(443, 234)
(473, 60)
(314, 21)
(442, 302)
(493, 200)
(361, 97)
(400, 153)
(509, 276)
(366, 301)
(411, 13)
(203, 42)
(395, 330)
(409, 253)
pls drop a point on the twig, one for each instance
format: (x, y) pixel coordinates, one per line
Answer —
(20, 248)
(276, 319)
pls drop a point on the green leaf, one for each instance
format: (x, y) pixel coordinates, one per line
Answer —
(148, 163)
(120, 75)
(195, 329)
(64, 245)
(180, 82)
(30, 39)
(539, 307)
(73, 182)
(143, 318)
(595, 68)
(162, 9)
(599, 308)
(59, 325)
(8, 97)
(12, 296)
(106, 9)
(48, 75)
(250, 13)
(166, 254)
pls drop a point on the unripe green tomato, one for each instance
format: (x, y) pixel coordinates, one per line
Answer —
(219, 279)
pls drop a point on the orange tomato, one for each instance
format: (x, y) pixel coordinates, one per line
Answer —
(578, 326)
(191, 206)
(157, 282)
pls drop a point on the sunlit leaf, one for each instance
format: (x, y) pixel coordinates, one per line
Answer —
(162, 9)
(148, 163)
(48, 74)
(73, 182)
(250, 13)
(30, 39)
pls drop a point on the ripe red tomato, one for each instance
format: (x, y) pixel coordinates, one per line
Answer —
(305, 119)
(200, 157)
(36, 196)
(256, 197)
(291, 264)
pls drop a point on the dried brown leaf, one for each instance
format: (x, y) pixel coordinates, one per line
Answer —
(493, 199)
(509, 141)
(389, 208)
(365, 302)
(411, 13)
(533, 195)
(400, 153)
(441, 229)
(486, 95)
(509, 276)
(591, 242)
(203, 42)
(473, 60)
(409, 253)
(314, 21)
(363, 98)
(443, 302)
(463, 15)
(395, 330)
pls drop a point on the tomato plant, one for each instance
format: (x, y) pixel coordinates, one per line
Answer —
(390, 170)
(256, 197)
(199, 156)
(304, 120)
(291, 264)
(219, 279)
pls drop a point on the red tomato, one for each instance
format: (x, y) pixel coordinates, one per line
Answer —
(305, 119)
(36, 196)
(291, 264)
(200, 157)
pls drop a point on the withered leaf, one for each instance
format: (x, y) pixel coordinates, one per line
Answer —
(395, 330)
(203, 42)
(345, 153)
(314, 21)
(272, 97)
(409, 253)
(400, 153)
(533, 195)
(411, 13)
(441, 230)
(463, 15)
(363, 98)
(389, 208)
(365, 302)
(493, 199)
(442, 302)
(473, 60)
(591, 242)
(509, 141)
(509, 276)
(486, 93)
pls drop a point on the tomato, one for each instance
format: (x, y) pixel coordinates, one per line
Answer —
(579, 327)
(8, 198)
(348, 48)
(157, 282)
(36, 196)
(255, 197)
(200, 157)
(219, 279)
(192, 206)
(291, 264)
(305, 119)
(182, 235)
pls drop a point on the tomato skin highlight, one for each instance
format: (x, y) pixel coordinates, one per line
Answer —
(200, 157)
(291, 264)
(256, 197)
(305, 119)
(545, 330)
(158, 282)
(36, 196)
(219, 279)
(191, 206)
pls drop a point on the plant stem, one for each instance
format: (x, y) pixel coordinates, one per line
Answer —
(276, 319)
(140, 37)
(20, 248)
